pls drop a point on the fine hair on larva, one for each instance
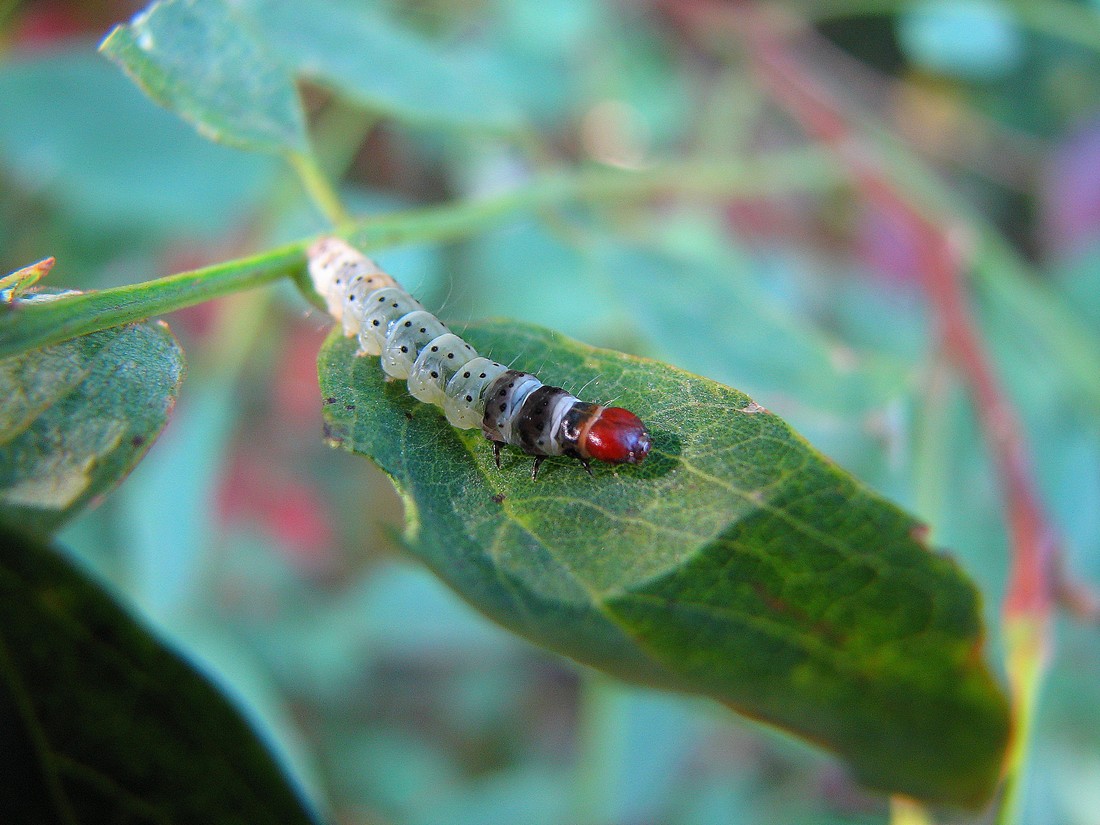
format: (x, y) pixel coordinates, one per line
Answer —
(439, 368)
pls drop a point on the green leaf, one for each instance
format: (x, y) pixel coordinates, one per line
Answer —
(103, 724)
(78, 416)
(736, 562)
(200, 60)
(366, 58)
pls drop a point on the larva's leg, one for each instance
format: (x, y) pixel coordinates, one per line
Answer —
(496, 451)
(586, 464)
(538, 463)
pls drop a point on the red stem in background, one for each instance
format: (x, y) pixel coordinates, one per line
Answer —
(1034, 574)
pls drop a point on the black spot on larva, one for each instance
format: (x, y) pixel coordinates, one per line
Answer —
(480, 376)
(469, 398)
(351, 297)
(423, 329)
(395, 304)
(409, 324)
(381, 299)
(503, 407)
(349, 406)
(511, 385)
(435, 374)
(498, 498)
(450, 355)
(375, 322)
(404, 349)
(137, 441)
(435, 349)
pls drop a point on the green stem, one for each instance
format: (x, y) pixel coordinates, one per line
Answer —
(30, 325)
(799, 170)
(318, 188)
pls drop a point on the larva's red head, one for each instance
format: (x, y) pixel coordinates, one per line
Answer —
(617, 436)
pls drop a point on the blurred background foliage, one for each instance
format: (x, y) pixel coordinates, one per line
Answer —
(272, 560)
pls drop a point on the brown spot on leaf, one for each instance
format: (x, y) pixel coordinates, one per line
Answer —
(752, 408)
(919, 533)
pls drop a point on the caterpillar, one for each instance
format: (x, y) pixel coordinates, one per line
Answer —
(510, 407)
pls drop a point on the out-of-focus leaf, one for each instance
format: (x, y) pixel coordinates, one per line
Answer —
(970, 38)
(75, 130)
(109, 726)
(201, 60)
(363, 56)
(170, 508)
(1078, 280)
(736, 562)
(713, 320)
(647, 741)
(525, 271)
(78, 416)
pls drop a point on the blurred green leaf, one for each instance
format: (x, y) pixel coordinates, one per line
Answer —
(1078, 281)
(201, 60)
(736, 562)
(360, 54)
(525, 270)
(78, 132)
(974, 39)
(710, 317)
(78, 416)
(103, 724)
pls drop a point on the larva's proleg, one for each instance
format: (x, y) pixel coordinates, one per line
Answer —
(509, 406)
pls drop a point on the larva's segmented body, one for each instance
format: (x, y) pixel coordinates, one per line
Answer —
(509, 406)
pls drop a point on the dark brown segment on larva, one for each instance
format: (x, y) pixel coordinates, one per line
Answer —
(533, 429)
(576, 421)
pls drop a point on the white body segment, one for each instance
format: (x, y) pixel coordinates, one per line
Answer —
(439, 367)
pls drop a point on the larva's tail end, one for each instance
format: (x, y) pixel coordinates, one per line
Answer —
(326, 257)
(327, 247)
